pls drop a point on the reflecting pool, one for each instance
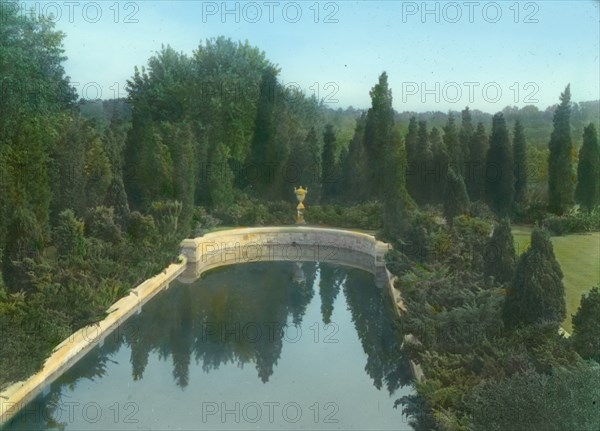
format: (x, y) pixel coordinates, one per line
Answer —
(275, 345)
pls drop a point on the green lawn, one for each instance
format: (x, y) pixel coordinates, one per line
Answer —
(579, 258)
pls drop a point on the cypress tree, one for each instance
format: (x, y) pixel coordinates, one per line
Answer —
(456, 200)
(537, 293)
(263, 154)
(440, 161)
(411, 142)
(379, 135)
(587, 192)
(354, 169)
(475, 165)
(586, 326)
(465, 136)
(397, 205)
(560, 164)
(453, 144)
(499, 179)
(314, 170)
(500, 257)
(330, 177)
(520, 161)
(411, 139)
(423, 163)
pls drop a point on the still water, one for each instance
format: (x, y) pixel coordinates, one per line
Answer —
(254, 346)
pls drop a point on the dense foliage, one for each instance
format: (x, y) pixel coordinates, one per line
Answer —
(97, 195)
(480, 374)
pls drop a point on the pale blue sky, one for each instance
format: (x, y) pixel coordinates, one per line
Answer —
(418, 52)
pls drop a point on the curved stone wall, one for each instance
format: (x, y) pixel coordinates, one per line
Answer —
(293, 243)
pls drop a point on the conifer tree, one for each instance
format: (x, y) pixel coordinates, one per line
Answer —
(263, 153)
(520, 163)
(587, 192)
(453, 145)
(456, 200)
(439, 168)
(412, 168)
(465, 136)
(500, 257)
(354, 174)
(561, 180)
(379, 135)
(537, 293)
(423, 163)
(330, 176)
(397, 204)
(475, 166)
(586, 326)
(499, 178)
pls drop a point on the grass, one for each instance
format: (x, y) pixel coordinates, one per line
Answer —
(579, 258)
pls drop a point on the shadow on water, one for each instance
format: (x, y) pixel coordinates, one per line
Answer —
(238, 315)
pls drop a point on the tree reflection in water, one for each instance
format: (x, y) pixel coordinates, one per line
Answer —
(228, 316)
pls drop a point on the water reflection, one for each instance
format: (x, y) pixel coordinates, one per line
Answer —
(242, 315)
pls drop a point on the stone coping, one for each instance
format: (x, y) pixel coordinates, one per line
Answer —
(282, 243)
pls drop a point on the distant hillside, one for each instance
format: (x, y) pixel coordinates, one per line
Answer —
(538, 124)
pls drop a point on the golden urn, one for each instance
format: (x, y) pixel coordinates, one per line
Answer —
(300, 195)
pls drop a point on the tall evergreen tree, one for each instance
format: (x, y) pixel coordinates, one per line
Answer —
(465, 136)
(397, 205)
(423, 186)
(379, 131)
(500, 188)
(411, 138)
(561, 181)
(500, 257)
(520, 163)
(586, 326)
(139, 136)
(411, 142)
(537, 293)
(452, 144)
(354, 169)
(263, 154)
(330, 176)
(439, 168)
(587, 192)
(456, 200)
(475, 165)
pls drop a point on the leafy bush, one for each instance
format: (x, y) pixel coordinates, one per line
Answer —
(203, 221)
(362, 216)
(252, 212)
(573, 222)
